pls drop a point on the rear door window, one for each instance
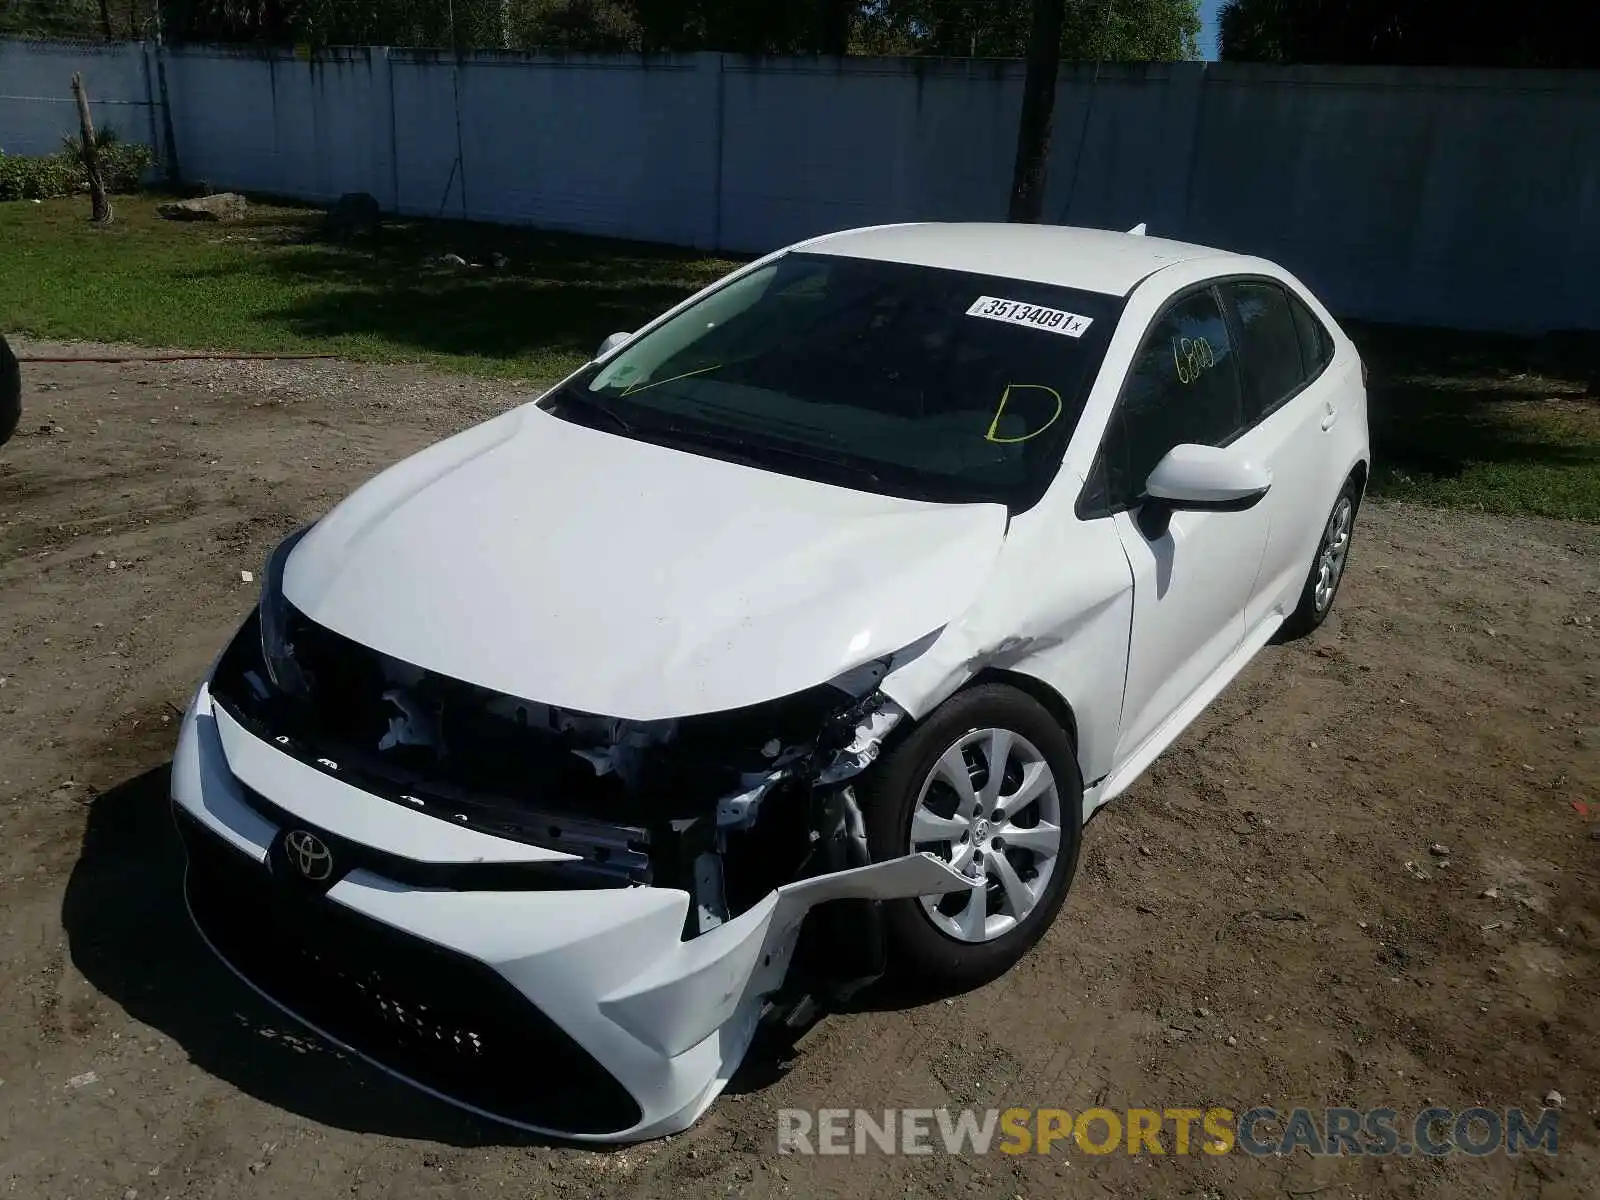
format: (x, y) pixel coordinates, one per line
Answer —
(1275, 366)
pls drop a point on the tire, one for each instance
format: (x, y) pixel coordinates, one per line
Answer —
(1315, 601)
(935, 943)
(10, 392)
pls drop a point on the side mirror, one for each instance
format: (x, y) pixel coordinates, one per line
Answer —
(611, 343)
(1204, 479)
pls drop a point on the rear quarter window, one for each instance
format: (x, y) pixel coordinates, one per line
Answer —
(1316, 343)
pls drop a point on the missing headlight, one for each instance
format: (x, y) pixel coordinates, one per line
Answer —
(277, 650)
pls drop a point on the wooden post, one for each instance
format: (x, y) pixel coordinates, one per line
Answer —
(102, 214)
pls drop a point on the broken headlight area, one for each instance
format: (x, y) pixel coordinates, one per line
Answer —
(726, 806)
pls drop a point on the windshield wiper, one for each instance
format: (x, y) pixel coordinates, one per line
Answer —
(759, 453)
(591, 403)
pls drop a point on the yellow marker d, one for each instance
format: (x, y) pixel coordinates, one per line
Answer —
(1000, 411)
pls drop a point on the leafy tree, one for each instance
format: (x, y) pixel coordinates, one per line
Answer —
(1531, 33)
(1091, 29)
(1127, 30)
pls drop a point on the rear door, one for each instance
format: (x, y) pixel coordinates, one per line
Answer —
(1291, 411)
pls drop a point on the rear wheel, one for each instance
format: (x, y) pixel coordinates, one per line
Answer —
(1327, 569)
(989, 782)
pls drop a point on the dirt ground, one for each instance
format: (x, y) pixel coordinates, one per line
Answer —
(1260, 920)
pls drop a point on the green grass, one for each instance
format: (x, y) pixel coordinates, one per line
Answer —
(1488, 422)
(269, 283)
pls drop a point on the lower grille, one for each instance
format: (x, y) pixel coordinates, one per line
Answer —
(439, 1018)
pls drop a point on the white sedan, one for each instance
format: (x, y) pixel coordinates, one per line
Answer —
(787, 644)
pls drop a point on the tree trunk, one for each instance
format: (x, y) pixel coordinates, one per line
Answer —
(1038, 106)
(174, 171)
(835, 37)
(105, 18)
(100, 202)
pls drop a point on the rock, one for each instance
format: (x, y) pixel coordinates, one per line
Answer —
(1553, 1099)
(1439, 850)
(257, 1167)
(1202, 1013)
(354, 214)
(224, 206)
(1489, 894)
(1232, 1041)
(84, 1080)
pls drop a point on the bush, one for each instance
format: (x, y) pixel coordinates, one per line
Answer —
(62, 174)
(123, 165)
(37, 178)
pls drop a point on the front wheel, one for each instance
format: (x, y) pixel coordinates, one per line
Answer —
(990, 784)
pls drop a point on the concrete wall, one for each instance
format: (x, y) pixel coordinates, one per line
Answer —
(1466, 198)
(36, 105)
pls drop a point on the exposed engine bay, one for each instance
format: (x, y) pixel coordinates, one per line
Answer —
(725, 806)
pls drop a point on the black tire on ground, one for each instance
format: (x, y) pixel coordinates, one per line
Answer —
(1308, 615)
(921, 957)
(10, 392)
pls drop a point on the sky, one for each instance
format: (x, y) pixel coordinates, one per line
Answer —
(1208, 30)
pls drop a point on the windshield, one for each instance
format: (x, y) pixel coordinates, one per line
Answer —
(900, 379)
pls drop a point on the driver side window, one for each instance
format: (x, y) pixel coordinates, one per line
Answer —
(1183, 387)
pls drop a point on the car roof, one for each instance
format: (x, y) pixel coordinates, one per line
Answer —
(1094, 260)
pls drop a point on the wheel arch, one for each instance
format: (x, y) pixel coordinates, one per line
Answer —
(1051, 700)
(1359, 475)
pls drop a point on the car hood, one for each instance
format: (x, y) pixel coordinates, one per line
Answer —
(582, 569)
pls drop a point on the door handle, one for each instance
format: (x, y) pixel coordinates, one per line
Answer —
(1329, 417)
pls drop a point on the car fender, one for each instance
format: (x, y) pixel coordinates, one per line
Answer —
(1058, 608)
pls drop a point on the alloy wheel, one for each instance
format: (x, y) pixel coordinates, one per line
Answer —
(1335, 548)
(991, 808)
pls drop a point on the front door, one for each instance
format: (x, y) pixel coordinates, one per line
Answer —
(1193, 578)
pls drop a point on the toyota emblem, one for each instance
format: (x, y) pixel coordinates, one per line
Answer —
(309, 854)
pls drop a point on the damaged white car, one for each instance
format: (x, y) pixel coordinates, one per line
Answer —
(786, 644)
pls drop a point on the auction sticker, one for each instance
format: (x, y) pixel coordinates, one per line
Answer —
(1035, 316)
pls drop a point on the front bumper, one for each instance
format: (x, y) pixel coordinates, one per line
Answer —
(578, 1013)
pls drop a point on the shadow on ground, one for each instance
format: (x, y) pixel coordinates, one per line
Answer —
(520, 291)
(1486, 420)
(130, 936)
